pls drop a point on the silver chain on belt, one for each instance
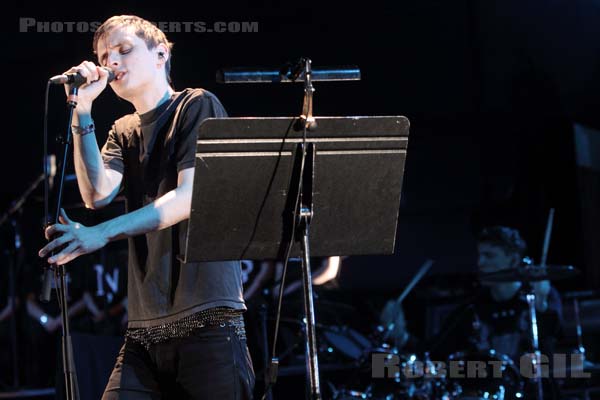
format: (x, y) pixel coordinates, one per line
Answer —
(218, 316)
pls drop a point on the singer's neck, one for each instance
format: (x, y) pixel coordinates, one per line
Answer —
(148, 100)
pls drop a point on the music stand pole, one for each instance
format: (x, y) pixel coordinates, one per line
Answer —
(305, 215)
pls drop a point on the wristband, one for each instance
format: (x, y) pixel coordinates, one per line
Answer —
(83, 130)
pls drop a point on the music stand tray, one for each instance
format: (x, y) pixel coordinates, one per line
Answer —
(243, 195)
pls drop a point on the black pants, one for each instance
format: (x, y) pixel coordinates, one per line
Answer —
(212, 363)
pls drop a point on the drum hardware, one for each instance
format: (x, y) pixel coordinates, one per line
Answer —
(531, 273)
(495, 376)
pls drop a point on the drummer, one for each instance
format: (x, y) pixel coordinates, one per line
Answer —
(500, 307)
(497, 316)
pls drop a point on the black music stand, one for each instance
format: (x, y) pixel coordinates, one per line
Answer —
(246, 183)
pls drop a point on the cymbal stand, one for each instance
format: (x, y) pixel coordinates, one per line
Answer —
(579, 330)
(535, 347)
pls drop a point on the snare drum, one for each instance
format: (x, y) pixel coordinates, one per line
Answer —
(483, 375)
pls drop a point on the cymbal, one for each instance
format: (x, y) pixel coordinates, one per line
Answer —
(531, 273)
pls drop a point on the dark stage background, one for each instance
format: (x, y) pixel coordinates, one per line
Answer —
(493, 90)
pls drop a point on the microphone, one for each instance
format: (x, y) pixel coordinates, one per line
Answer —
(75, 78)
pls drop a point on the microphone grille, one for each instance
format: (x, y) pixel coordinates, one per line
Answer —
(111, 74)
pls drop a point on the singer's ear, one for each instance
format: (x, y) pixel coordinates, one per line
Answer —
(162, 52)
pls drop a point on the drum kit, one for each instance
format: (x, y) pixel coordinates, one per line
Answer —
(383, 365)
(464, 375)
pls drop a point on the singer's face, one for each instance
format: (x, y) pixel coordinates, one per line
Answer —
(135, 66)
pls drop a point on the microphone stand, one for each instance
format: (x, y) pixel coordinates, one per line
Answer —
(71, 387)
(14, 266)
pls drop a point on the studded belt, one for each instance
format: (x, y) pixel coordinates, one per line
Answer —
(218, 316)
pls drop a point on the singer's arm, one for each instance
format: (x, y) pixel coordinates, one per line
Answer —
(98, 185)
(167, 210)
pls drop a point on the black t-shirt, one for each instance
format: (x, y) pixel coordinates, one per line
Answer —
(105, 277)
(149, 150)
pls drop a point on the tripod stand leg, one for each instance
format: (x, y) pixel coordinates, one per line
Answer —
(265, 344)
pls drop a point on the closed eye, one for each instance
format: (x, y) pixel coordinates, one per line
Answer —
(122, 51)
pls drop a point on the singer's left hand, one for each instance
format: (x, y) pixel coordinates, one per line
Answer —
(74, 238)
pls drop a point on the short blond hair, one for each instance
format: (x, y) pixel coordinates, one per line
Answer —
(144, 29)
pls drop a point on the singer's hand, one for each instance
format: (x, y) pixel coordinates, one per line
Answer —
(96, 82)
(75, 240)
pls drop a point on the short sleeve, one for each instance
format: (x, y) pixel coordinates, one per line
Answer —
(206, 105)
(112, 151)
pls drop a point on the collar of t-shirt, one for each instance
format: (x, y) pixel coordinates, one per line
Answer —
(153, 115)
